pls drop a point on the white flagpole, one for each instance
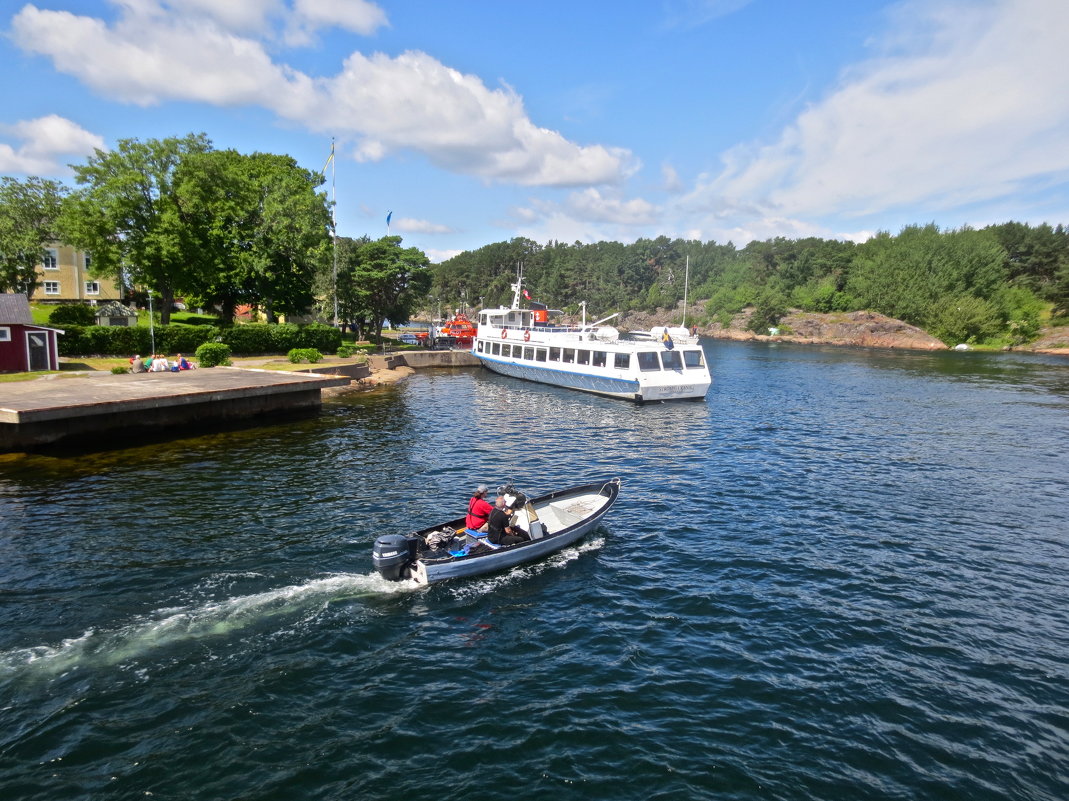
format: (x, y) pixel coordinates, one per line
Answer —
(334, 224)
(686, 281)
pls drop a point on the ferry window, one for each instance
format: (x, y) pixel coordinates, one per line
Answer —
(693, 358)
(648, 361)
(495, 349)
(528, 352)
(479, 347)
(671, 360)
(583, 357)
(622, 361)
(599, 358)
(569, 355)
(540, 354)
(506, 350)
(554, 354)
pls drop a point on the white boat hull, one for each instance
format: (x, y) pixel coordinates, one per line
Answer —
(640, 388)
(566, 517)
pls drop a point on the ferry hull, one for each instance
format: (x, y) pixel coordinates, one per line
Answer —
(622, 388)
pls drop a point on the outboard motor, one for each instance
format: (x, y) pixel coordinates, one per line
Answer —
(392, 554)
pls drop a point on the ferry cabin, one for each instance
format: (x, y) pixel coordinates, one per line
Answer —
(522, 343)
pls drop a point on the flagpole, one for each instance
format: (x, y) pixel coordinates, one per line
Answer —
(334, 223)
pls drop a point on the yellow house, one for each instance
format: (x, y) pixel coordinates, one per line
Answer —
(64, 277)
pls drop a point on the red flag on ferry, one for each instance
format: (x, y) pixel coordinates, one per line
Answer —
(527, 294)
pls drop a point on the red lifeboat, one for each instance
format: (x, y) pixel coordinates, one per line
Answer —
(461, 329)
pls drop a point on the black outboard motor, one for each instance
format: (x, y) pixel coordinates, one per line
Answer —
(392, 554)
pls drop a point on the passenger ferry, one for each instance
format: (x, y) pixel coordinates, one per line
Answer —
(660, 364)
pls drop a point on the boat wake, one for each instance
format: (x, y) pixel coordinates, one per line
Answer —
(475, 587)
(176, 625)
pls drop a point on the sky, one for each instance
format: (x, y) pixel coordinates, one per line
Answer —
(579, 121)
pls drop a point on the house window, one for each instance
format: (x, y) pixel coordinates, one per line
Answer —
(52, 260)
(92, 287)
(51, 287)
(5, 333)
(88, 261)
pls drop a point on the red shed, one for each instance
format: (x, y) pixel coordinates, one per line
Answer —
(25, 346)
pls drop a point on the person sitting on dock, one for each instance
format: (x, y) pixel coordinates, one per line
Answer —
(136, 365)
(478, 510)
(183, 363)
(498, 530)
(159, 364)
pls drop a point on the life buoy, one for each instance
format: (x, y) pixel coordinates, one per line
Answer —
(527, 336)
(504, 334)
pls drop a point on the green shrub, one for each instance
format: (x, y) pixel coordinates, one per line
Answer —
(183, 338)
(73, 314)
(324, 338)
(211, 354)
(119, 370)
(251, 338)
(345, 351)
(298, 355)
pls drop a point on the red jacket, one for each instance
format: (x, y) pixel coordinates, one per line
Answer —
(478, 512)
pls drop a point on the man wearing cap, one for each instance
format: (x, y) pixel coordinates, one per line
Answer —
(478, 510)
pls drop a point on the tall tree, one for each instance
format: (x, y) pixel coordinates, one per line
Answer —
(29, 214)
(384, 281)
(259, 227)
(127, 214)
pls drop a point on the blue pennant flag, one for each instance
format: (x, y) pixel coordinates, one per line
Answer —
(388, 216)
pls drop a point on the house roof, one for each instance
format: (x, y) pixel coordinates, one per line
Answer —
(15, 308)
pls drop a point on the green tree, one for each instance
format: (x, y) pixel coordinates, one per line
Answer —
(258, 230)
(127, 215)
(29, 215)
(380, 280)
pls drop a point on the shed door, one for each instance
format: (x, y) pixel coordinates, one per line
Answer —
(37, 343)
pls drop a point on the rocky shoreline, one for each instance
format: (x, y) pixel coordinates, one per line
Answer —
(862, 329)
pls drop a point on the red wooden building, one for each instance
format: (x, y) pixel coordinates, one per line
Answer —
(25, 346)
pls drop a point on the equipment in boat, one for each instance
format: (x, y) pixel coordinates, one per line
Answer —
(449, 550)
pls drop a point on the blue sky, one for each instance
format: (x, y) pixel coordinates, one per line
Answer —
(475, 122)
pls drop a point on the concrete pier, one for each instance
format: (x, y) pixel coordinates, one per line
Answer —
(103, 407)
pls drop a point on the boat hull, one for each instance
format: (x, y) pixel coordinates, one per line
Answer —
(629, 388)
(596, 498)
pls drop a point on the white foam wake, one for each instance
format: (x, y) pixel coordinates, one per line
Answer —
(175, 625)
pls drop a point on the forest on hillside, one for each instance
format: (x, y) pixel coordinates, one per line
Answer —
(995, 285)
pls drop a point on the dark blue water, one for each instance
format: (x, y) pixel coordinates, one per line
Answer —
(842, 577)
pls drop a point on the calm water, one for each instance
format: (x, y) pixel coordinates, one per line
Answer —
(843, 577)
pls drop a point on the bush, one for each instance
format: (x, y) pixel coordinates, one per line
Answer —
(298, 355)
(345, 351)
(251, 338)
(211, 354)
(73, 314)
(119, 370)
(180, 338)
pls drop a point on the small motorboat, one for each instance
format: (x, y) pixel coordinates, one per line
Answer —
(460, 329)
(449, 550)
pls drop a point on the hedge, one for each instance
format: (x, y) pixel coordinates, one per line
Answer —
(248, 339)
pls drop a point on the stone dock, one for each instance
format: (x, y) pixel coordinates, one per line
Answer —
(103, 408)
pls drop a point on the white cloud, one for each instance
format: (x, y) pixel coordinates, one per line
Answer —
(965, 103)
(591, 204)
(44, 142)
(357, 16)
(411, 102)
(411, 225)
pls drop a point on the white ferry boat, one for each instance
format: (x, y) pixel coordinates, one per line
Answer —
(660, 364)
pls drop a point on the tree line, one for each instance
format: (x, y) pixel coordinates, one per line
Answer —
(989, 285)
(218, 228)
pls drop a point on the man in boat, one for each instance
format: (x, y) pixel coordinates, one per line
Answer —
(498, 530)
(478, 510)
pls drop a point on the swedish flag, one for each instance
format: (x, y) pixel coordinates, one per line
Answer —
(667, 340)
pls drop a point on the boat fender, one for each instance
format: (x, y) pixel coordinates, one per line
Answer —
(527, 336)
